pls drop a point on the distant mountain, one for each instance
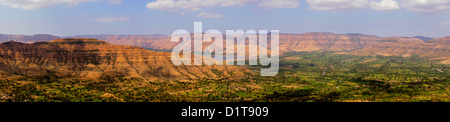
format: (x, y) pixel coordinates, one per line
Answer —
(26, 38)
(94, 59)
(366, 45)
(423, 38)
(107, 35)
(353, 43)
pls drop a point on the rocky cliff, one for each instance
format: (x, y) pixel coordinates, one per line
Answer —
(94, 59)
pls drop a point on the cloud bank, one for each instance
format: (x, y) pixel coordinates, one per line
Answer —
(35, 4)
(385, 5)
(196, 5)
(426, 6)
(279, 3)
(337, 5)
(420, 6)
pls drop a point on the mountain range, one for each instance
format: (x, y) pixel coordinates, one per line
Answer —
(86, 56)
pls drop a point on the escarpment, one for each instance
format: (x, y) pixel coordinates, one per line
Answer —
(86, 58)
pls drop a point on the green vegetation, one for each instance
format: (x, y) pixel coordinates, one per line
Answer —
(303, 77)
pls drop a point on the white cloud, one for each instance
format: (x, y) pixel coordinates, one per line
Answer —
(115, 2)
(196, 5)
(112, 19)
(444, 23)
(193, 5)
(337, 5)
(426, 6)
(384, 5)
(209, 15)
(35, 4)
(279, 3)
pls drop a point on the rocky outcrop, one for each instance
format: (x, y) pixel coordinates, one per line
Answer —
(151, 42)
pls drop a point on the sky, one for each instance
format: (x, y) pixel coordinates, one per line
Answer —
(429, 18)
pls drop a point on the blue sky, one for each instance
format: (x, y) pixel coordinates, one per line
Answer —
(141, 17)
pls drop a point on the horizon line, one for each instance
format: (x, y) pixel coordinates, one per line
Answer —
(69, 36)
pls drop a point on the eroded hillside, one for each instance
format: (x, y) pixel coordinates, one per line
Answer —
(93, 59)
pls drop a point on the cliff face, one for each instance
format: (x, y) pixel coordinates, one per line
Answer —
(324, 41)
(151, 42)
(404, 47)
(94, 59)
